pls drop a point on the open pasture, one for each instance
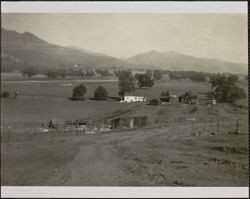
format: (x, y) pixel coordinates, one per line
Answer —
(42, 100)
(63, 88)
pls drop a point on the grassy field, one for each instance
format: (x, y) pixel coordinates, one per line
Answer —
(167, 153)
(40, 101)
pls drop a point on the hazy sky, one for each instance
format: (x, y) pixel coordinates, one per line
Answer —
(220, 36)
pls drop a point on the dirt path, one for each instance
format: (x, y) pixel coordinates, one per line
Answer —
(149, 157)
(100, 163)
(95, 165)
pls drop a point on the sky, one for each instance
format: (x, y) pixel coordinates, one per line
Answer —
(219, 36)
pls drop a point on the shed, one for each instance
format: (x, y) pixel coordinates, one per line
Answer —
(173, 99)
(129, 121)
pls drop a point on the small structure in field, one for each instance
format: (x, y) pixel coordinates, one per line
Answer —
(173, 99)
(213, 102)
(128, 121)
(75, 125)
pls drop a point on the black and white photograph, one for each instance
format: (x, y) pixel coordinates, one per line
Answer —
(124, 99)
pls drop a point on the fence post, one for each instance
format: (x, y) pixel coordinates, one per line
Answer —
(8, 136)
(237, 126)
(218, 127)
(193, 126)
(205, 126)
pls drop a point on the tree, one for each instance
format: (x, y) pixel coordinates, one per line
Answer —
(186, 98)
(126, 82)
(61, 72)
(225, 89)
(149, 73)
(103, 73)
(157, 74)
(89, 73)
(233, 78)
(165, 96)
(144, 80)
(100, 93)
(5, 94)
(51, 74)
(195, 76)
(79, 92)
(29, 72)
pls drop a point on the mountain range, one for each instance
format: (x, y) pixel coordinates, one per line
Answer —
(26, 49)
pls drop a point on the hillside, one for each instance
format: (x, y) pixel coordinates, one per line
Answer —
(20, 50)
(176, 61)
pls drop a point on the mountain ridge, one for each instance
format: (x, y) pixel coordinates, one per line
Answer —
(23, 49)
(178, 61)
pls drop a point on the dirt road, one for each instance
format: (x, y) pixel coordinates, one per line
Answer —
(149, 157)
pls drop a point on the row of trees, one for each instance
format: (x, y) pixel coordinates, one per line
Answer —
(127, 81)
(154, 74)
(80, 90)
(62, 73)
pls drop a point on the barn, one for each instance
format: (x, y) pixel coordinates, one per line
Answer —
(127, 121)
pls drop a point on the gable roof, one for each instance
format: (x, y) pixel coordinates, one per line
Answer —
(139, 92)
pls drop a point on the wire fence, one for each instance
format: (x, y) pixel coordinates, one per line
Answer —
(181, 126)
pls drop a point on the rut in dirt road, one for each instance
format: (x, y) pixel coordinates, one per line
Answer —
(96, 165)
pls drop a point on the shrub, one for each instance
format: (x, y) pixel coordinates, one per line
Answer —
(100, 93)
(5, 94)
(154, 102)
(51, 125)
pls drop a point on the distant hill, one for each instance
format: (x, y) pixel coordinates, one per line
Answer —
(20, 50)
(86, 51)
(26, 49)
(176, 61)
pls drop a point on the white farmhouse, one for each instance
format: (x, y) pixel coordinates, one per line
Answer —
(135, 99)
(139, 95)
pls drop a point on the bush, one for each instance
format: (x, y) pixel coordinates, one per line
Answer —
(79, 92)
(154, 102)
(5, 94)
(100, 93)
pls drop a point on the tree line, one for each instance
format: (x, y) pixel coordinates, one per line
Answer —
(62, 73)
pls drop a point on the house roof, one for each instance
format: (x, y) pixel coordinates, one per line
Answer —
(139, 92)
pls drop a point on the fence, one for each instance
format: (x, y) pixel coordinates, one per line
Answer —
(182, 126)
